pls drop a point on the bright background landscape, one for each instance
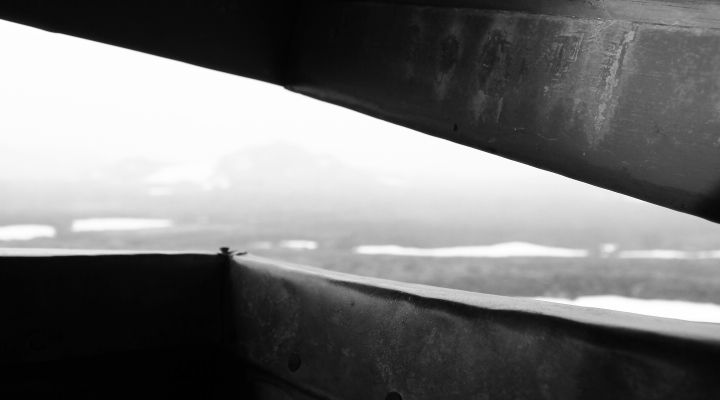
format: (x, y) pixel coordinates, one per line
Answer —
(105, 148)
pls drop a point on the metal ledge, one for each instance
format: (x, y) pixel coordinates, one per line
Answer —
(60, 306)
(687, 13)
(337, 336)
(631, 107)
(89, 326)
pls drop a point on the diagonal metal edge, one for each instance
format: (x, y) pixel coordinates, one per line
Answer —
(362, 338)
(445, 299)
(677, 13)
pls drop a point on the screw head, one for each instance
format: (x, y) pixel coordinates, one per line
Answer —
(393, 396)
(294, 362)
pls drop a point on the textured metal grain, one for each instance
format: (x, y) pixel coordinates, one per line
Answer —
(688, 13)
(361, 338)
(632, 107)
(209, 326)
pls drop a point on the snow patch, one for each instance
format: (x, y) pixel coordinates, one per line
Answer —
(118, 224)
(26, 232)
(510, 249)
(299, 244)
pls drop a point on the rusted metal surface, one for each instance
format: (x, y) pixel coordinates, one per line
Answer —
(337, 336)
(630, 106)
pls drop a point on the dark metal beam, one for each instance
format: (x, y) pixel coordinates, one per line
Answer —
(328, 335)
(629, 106)
(206, 326)
(687, 13)
(84, 325)
(621, 94)
(243, 37)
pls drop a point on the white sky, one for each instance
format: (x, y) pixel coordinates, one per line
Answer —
(67, 104)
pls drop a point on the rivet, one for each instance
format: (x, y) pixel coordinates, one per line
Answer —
(294, 362)
(393, 396)
(39, 341)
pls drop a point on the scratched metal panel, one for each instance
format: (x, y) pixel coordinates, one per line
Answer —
(629, 106)
(109, 324)
(336, 336)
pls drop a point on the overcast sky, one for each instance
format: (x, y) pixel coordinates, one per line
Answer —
(69, 104)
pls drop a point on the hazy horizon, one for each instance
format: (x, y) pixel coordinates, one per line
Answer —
(70, 104)
(107, 148)
(113, 132)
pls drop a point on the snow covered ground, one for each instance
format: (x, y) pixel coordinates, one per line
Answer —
(684, 310)
(510, 249)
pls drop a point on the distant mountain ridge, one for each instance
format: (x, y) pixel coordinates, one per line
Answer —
(273, 165)
(281, 191)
